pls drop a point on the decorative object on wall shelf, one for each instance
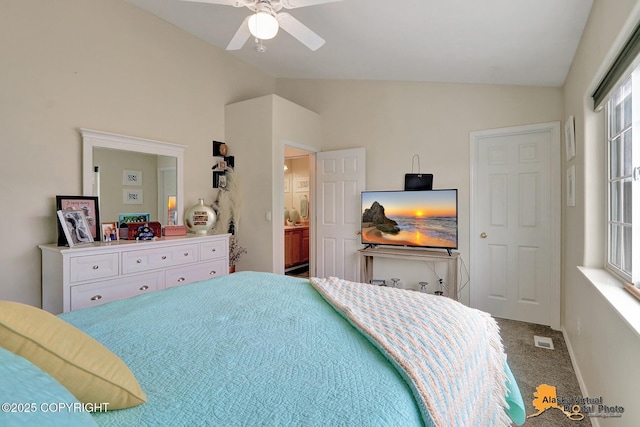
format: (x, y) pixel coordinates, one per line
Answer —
(219, 149)
(222, 181)
(87, 204)
(570, 137)
(216, 178)
(200, 218)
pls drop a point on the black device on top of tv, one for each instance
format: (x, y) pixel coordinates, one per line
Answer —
(418, 181)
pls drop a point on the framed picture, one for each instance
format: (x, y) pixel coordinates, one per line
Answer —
(217, 176)
(131, 177)
(75, 227)
(88, 205)
(301, 185)
(570, 137)
(571, 186)
(222, 181)
(109, 231)
(132, 196)
(133, 217)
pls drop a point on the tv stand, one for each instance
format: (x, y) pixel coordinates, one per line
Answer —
(369, 253)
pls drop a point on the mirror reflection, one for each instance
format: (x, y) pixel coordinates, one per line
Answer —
(132, 182)
(133, 175)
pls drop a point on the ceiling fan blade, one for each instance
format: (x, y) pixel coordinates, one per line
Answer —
(292, 4)
(300, 31)
(235, 3)
(241, 36)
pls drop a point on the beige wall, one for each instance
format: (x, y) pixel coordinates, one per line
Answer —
(605, 348)
(104, 65)
(395, 120)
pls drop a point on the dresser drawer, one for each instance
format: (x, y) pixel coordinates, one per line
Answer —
(213, 250)
(151, 259)
(195, 273)
(93, 267)
(93, 294)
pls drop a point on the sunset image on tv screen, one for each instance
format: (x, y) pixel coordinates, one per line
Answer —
(410, 218)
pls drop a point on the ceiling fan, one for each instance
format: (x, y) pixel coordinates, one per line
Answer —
(264, 23)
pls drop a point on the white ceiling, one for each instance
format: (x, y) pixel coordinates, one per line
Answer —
(521, 42)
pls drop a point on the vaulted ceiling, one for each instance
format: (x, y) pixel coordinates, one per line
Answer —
(521, 42)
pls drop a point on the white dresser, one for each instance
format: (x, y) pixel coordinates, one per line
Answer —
(86, 276)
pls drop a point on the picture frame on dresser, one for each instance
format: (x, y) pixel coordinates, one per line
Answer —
(89, 206)
(75, 227)
(109, 231)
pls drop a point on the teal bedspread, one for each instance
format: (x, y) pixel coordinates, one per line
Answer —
(250, 349)
(247, 349)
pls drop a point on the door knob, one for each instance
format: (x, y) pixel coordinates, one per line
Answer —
(483, 235)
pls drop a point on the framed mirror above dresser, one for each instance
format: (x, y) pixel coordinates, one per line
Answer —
(131, 174)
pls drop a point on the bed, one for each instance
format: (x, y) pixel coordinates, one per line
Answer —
(264, 349)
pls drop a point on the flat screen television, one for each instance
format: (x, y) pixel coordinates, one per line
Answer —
(424, 219)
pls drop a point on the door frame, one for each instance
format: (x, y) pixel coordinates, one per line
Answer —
(278, 206)
(554, 201)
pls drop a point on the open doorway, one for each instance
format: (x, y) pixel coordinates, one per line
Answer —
(297, 212)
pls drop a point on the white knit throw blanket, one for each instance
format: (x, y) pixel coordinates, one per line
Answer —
(451, 355)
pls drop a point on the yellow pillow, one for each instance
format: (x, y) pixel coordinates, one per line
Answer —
(91, 372)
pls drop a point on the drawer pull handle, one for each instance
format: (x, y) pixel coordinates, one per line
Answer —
(182, 279)
(186, 254)
(139, 261)
(96, 298)
(164, 257)
(213, 250)
(144, 288)
(95, 267)
(212, 272)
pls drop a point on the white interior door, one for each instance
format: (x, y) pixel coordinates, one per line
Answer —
(340, 178)
(515, 223)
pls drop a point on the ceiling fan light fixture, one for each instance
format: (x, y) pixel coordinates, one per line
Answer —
(263, 25)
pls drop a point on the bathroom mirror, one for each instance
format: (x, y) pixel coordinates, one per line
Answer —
(133, 175)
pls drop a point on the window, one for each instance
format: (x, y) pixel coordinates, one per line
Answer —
(620, 181)
(623, 113)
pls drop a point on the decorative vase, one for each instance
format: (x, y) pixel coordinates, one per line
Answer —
(232, 269)
(200, 218)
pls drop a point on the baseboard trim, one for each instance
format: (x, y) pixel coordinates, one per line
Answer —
(595, 422)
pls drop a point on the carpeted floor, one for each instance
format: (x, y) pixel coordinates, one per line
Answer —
(533, 366)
